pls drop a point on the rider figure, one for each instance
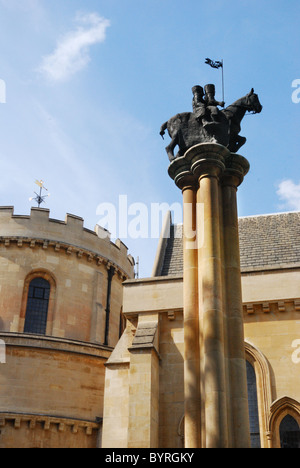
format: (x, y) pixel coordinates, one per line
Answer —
(211, 103)
(199, 105)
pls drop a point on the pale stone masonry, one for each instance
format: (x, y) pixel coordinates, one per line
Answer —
(270, 264)
(52, 385)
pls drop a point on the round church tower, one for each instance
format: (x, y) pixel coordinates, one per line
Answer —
(60, 317)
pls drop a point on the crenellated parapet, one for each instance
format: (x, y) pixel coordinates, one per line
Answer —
(68, 237)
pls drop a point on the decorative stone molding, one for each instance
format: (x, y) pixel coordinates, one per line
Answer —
(249, 309)
(63, 248)
(171, 315)
(281, 404)
(56, 344)
(266, 307)
(48, 422)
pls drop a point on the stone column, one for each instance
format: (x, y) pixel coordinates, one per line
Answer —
(191, 322)
(187, 182)
(208, 165)
(236, 168)
(219, 393)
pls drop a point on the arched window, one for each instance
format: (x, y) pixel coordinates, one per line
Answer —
(289, 432)
(284, 425)
(37, 306)
(253, 406)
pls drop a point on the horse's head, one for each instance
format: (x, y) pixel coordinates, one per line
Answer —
(252, 103)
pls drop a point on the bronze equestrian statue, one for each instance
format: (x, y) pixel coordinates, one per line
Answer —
(208, 124)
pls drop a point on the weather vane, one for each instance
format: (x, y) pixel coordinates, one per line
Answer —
(39, 198)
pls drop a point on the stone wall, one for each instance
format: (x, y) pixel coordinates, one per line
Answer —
(75, 261)
(52, 385)
(271, 311)
(51, 392)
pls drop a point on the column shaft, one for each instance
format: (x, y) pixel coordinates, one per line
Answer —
(211, 314)
(191, 322)
(235, 326)
(220, 381)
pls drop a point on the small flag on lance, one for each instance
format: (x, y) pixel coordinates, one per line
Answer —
(214, 64)
(217, 64)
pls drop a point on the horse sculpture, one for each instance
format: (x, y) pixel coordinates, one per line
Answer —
(186, 130)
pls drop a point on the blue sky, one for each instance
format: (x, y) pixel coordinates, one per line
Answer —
(89, 83)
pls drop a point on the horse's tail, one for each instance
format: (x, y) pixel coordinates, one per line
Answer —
(163, 129)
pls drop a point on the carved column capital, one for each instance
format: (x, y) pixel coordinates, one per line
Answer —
(237, 167)
(202, 160)
(208, 160)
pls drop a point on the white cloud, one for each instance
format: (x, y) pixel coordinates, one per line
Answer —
(72, 52)
(289, 193)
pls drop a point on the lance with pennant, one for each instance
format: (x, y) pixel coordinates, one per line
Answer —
(217, 64)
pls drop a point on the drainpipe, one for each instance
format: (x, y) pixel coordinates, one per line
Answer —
(110, 274)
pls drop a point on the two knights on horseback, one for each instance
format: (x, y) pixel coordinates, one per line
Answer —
(207, 123)
(205, 105)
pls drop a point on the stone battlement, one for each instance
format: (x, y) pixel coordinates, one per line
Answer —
(70, 235)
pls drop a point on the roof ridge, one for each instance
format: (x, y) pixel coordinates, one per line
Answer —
(270, 214)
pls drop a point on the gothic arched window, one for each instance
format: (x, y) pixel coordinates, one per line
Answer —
(37, 306)
(289, 432)
(253, 407)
